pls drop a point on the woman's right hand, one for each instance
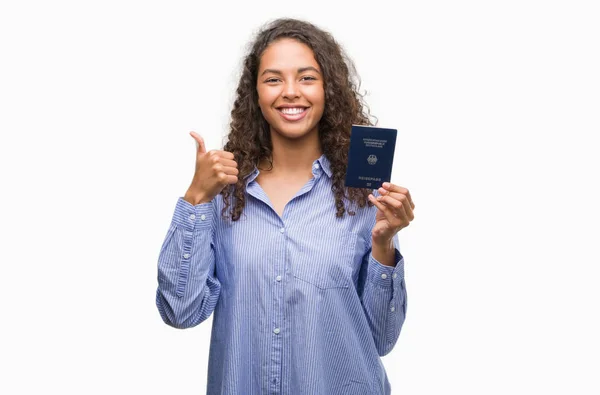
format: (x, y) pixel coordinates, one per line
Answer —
(214, 171)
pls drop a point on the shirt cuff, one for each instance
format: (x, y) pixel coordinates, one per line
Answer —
(386, 276)
(190, 217)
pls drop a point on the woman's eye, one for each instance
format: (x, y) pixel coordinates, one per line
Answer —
(272, 80)
(309, 78)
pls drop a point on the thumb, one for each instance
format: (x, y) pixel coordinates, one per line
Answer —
(199, 142)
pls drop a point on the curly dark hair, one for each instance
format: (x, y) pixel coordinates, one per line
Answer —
(249, 137)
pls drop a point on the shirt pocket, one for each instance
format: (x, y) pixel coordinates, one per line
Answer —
(326, 262)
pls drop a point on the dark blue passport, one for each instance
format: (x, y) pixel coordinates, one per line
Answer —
(370, 157)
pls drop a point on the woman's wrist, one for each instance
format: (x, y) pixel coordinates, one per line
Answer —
(195, 198)
(384, 253)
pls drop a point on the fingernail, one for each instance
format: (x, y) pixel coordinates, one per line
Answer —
(386, 185)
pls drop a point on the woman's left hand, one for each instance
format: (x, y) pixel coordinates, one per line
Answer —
(395, 211)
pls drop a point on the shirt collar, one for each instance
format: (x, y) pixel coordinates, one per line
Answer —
(325, 165)
(252, 176)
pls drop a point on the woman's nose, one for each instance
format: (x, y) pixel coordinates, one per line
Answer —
(290, 90)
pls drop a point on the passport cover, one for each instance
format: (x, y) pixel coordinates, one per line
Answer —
(370, 156)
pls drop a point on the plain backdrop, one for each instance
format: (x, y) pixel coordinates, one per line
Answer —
(497, 106)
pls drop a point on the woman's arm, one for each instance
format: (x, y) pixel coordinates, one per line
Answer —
(383, 297)
(188, 289)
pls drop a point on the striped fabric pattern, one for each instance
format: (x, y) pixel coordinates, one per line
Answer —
(300, 305)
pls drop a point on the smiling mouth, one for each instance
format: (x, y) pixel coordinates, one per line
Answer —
(292, 113)
(292, 110)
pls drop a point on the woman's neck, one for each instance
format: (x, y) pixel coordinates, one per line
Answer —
(293, 157)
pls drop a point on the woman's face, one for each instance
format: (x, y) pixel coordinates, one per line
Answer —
(290, 89)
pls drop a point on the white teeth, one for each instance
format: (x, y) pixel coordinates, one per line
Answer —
(292, 111)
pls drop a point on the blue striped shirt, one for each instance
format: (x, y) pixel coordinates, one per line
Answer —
(300, 304)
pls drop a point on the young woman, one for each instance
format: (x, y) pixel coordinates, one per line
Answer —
(304, 276)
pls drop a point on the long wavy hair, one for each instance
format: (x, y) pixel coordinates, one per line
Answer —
(249, 138)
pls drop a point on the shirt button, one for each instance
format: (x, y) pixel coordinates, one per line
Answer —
(203, 217)
(186, 256)
(282, 230)
(192, 217)
(276, 331)
(384, 276)
(392, 309)
(395, 275)
(316, 167)
(278, 278)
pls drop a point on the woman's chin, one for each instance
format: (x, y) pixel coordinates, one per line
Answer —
(294, 132)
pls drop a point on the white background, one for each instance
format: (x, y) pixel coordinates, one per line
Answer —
(497, 104)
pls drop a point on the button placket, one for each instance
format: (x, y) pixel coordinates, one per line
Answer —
(277, 347)
(183, 270)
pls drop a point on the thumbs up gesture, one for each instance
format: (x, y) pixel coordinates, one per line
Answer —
(214, 171)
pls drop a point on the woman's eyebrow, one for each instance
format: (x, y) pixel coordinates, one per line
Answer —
(303, 69)
(300, 70)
